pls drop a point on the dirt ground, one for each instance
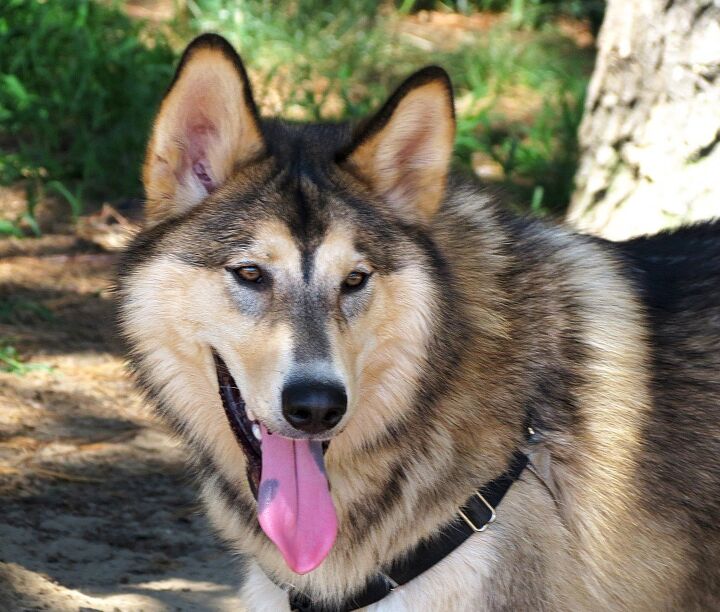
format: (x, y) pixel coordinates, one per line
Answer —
(97, 509)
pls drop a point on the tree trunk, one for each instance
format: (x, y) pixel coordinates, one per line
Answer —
(650, 137)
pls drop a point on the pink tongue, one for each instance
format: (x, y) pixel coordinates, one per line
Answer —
(294, 504)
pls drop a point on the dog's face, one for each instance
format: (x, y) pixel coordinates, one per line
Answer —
(321, 306)
(282, 265)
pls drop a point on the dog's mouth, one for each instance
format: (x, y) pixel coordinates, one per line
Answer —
(247, 432)
(287, 478)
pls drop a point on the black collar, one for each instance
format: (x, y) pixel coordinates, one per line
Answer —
(477, 513)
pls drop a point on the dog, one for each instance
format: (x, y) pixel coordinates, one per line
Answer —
(396, 394)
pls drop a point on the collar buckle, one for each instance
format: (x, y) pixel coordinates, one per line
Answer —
(470, 523)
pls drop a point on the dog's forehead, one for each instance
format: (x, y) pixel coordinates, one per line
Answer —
(272, 242)
(337, 250)
(276, 244)
(285, 216)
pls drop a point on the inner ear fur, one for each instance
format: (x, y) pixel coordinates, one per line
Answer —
(207, 126)
(404, 151)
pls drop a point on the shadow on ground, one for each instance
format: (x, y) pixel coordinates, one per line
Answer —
(97, 509)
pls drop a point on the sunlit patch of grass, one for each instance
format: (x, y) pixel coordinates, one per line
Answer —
(522, 104)
(10, 361)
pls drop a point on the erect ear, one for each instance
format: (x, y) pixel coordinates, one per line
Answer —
(404, 151)
(207, 126)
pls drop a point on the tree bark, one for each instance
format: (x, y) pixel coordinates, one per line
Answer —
(650, 136)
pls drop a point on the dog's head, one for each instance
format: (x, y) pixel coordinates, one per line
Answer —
(284, 264)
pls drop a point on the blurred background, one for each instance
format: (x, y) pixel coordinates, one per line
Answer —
(604, 114)
(80, 81)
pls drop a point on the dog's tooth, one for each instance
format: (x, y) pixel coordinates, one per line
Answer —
(250, 414)
(256, 431)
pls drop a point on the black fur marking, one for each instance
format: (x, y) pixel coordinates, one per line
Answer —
(237, 504)
(234, 407)
(306, 262)
(676, 268)
(678, 275)
(372, 510)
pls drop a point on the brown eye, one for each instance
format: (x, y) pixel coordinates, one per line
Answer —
(249, 274)
(355, 280)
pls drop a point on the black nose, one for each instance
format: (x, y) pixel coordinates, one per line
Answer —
(313, 407)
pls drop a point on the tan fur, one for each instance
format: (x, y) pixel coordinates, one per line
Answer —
(407, 160)
(189, 309)
(207, 97)
(384, 352)
(601, 533)
(174, 337)
(599, 496)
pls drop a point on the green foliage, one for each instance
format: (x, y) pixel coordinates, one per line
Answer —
(538, 150)
(11, 362)
(523, 13)
(307, 50)
(78, 87)
(80, 81)
(355, 53)
(73, 199)
(10, 228)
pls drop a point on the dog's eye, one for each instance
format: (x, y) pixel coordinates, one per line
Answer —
(355, 280)
(248, 274)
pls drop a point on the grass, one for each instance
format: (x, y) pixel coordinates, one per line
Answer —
(520, 93)
(304, 54)
(522, 13)
(11, 362)
(78, 87)
(80, 81)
